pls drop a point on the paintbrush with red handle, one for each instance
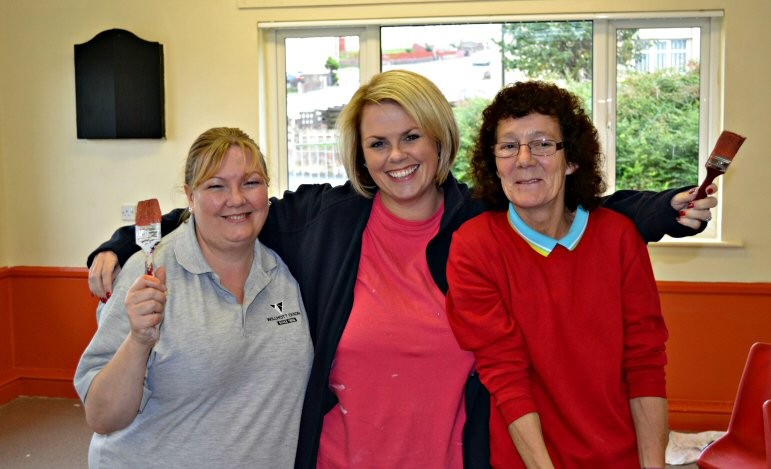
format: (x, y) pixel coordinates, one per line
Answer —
(725, 149)
(148, 229)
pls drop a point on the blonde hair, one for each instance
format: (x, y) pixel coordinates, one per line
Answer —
(421, 99)
(208, 151)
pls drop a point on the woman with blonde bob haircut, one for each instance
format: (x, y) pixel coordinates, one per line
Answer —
(389, 387)
(425, 104)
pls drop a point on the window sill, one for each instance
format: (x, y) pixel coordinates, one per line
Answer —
(696, 242)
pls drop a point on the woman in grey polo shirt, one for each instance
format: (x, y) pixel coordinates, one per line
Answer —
(205, 364)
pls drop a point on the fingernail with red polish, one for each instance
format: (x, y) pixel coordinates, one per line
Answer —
(682, 213)
(690, 205)
(103, 300)
(109, 294)
(710, 191)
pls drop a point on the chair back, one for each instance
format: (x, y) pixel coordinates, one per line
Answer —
(744, 445)
(767, 424)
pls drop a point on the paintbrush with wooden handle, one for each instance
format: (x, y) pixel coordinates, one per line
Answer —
(725, 149)
(148, 229)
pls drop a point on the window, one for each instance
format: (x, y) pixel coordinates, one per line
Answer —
(680, 53)
(322, 72)
(649, 84)
(657, 110)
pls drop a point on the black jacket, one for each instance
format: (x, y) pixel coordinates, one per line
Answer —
(317, 231)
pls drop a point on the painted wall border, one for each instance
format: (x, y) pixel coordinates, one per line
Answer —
(47, 318)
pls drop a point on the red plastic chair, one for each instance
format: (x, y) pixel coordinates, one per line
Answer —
(744, 445)
(767, 423)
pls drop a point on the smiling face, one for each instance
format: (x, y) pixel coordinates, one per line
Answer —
(230, 207)
(534, 184)
(402, 160)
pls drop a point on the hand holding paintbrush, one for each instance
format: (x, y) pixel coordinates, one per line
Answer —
(148, 235)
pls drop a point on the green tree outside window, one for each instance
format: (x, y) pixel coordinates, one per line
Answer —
(657, 116)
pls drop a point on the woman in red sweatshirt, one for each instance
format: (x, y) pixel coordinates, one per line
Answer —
(555, 295)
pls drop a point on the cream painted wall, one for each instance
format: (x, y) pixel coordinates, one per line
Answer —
(3, 220)
(63, 194)
(3, 224)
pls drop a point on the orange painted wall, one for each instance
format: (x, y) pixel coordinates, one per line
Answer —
(6, 336)
(711, 329)
(51, 317)
(47, 317)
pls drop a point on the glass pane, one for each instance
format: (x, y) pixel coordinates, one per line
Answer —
(555, 51)
(657, 108)
(471, 62)
(322, 73)
(464, 60)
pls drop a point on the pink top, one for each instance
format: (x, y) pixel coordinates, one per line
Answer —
(399, 374)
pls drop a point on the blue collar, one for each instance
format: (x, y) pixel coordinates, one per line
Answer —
(544, 244)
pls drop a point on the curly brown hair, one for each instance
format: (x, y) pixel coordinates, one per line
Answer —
(583, 187)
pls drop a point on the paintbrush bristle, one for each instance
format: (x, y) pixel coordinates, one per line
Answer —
(727, 145)
(148, 212)
(723, 153)
(148, 230)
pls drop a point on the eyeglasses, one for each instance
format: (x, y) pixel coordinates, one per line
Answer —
(541, 147)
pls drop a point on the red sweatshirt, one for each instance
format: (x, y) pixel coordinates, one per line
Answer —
(572, 336)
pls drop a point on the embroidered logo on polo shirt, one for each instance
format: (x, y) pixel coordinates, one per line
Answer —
(282, 318)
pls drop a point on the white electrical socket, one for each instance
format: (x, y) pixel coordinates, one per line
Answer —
(128, 212)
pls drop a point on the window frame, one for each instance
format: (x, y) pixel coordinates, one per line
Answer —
(273, 88)
(275, 135)
(709, 109)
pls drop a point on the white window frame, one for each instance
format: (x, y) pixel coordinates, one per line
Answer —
(709, 108)
(275, 135)
(273, 89)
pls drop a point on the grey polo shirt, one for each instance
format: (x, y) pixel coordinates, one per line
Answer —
(225, 381)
